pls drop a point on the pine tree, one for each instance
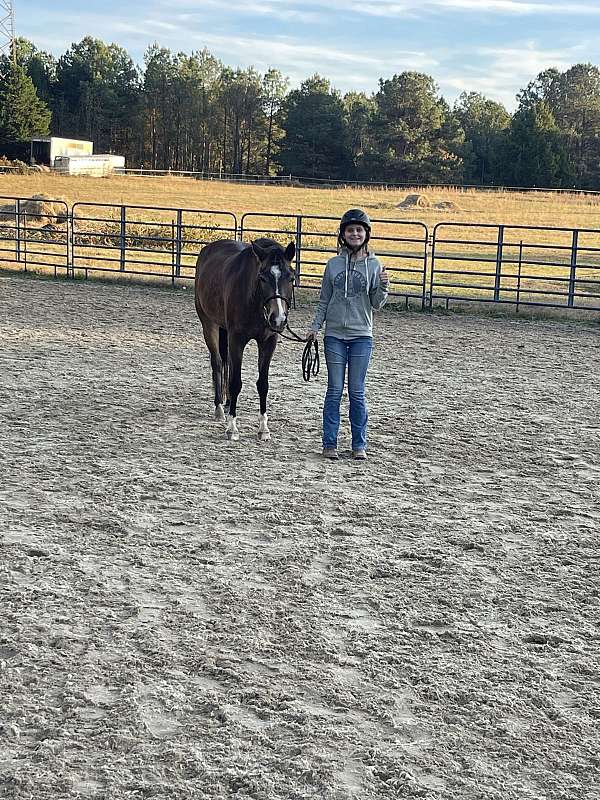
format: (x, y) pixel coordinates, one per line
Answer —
(536, 154)
(316, 138)
(415, 137)
(22, 113)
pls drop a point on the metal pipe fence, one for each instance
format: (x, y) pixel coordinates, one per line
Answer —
(515, 265)
(157, 241)
(34, 233)
(456, 262)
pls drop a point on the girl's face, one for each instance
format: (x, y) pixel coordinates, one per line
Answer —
(354, 236)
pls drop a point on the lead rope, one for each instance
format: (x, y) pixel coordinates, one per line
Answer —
(311, 361)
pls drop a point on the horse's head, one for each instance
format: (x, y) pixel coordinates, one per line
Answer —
(275, 281)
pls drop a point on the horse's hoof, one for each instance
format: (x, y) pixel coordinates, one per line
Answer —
(264, 436)
(233, 436)
(219, 414)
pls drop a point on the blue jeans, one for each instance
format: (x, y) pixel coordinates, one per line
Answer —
(356, 355)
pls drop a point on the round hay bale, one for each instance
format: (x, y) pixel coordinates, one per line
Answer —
(41, 210)
(415, 201)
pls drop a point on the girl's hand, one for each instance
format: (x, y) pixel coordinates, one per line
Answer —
(311, 336)
(384, 278)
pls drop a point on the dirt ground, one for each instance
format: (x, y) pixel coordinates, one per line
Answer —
(186, 617)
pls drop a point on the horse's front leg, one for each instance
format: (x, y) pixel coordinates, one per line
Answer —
(236, 351)
(266, 349)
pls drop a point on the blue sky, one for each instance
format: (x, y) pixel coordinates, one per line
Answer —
(491, 46)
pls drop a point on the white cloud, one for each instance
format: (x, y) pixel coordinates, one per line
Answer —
(516, 6)
(506, 70)
(274, 9)
(351, 60)
(314, 11)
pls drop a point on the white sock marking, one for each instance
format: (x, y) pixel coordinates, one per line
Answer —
(263, 427)
(232, 429)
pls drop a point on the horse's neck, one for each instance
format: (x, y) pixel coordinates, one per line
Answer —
(246, 274)
(252, 293)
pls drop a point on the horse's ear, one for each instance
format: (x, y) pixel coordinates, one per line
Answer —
(258, 251)
(290, 251)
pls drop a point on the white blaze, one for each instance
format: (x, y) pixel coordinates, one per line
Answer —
(280, 318)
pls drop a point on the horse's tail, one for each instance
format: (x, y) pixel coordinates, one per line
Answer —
(224, 353)
(223, 349)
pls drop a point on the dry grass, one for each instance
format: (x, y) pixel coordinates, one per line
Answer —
(472, 207)
(492, 207)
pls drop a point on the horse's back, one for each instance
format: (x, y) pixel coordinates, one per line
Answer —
(214, 255)
(213, 268)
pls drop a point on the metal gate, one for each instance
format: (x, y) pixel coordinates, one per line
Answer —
(153, 241)
(34, 232)
(516, 264)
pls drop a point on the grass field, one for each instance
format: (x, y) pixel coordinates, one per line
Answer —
(497, 207)
(536, 263)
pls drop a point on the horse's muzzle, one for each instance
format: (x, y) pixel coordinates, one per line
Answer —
(277, 322)
(275, 311)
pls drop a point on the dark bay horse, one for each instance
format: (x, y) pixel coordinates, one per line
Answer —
(243, 292)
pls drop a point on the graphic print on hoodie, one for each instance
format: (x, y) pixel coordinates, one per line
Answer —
(357, 284)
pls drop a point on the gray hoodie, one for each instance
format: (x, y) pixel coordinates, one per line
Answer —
(349, 293)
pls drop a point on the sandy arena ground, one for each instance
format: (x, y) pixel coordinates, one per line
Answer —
(183, 617)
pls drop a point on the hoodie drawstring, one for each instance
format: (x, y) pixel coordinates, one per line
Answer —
(348, 256)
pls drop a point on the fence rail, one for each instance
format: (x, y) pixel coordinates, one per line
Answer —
(453, 263)
(400, 244)
(328, 183)
(516, 265)
(156, 241)
(34, 233)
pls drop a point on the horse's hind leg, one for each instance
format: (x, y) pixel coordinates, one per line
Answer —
(211, 337)
(265, 354)
(236, 351)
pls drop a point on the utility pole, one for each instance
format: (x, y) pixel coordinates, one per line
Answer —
(7, 30)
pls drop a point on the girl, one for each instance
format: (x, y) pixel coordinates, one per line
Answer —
(354, 283)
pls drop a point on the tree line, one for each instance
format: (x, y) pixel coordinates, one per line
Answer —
(192, 112)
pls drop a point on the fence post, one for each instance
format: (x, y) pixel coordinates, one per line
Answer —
(69, 236)
(298, 249)
(498, 263)
(123, 230)
(427, 248)
(25, 241)
(172, 253)
(178, 248)
(573, 273)
(18, 228)
(429, 301)
(519, 274)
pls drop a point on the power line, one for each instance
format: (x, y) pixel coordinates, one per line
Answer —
(7, 30)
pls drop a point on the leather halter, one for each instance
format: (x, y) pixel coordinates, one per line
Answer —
(266, 311)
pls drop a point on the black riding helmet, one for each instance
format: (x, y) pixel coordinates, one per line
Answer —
(354, 216)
